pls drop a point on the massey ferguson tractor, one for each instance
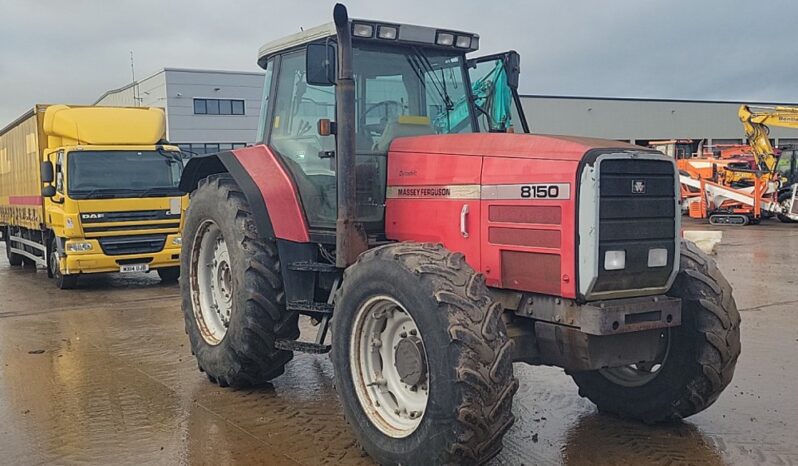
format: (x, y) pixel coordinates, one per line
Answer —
(397, 199)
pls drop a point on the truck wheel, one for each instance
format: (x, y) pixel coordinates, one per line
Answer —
(785, 201)
(13, 259)
(697, 358)
(63, 282)
(232, 290)
(422, 359)
(169, 274)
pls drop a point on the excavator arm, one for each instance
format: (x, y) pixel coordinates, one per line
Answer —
(756, 122)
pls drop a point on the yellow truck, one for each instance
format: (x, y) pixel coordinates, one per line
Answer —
(89, 190)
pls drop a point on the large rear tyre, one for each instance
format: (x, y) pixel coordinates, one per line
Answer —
(13, 258)
(232, 290)
(697, 358)
(422, 359)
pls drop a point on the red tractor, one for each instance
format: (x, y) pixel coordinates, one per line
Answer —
(396, 196)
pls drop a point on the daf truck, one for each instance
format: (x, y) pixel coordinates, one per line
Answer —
(87, 190)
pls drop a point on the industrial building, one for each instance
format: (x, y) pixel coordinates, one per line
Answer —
(642, 120)
(207, 110)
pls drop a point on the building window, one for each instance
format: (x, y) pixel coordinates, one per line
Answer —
(219, 107)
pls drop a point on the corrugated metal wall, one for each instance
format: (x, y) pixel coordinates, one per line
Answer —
(633, 119)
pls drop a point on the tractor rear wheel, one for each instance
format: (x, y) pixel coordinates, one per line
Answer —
(422, 359)
(232, 290)
(13, 258)
(697, 359)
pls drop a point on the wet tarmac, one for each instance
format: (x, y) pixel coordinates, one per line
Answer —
(104, 375)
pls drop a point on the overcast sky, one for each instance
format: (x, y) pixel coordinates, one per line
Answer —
(71, 51)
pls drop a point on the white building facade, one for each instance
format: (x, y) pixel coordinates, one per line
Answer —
(206, 110)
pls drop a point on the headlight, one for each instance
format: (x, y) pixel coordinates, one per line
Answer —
(614, 260)
(657, 257)
(79, 246)
(177, 241)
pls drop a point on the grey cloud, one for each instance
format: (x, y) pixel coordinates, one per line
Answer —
(72, 51)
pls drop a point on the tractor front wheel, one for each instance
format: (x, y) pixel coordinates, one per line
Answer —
(422, 359)
(696, 361)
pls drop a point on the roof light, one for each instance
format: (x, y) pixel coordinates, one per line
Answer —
(444, 38)
(387, 32)
(363, 30)
(464, 42)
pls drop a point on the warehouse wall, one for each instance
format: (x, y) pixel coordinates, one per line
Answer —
(176, 89)
(638, 119)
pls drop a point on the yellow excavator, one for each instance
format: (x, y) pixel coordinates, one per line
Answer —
(773, 165)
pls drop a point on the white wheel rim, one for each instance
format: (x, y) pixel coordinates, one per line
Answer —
(395, 407)
(637, 375)
(211, 283)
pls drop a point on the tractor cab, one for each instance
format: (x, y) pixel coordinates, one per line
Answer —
(407, 81)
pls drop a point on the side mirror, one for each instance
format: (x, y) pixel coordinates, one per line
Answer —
(48, 191)
(320, 64)
(512, 66)
(48, 174)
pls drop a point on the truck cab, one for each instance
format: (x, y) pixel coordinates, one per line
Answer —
(109, 198)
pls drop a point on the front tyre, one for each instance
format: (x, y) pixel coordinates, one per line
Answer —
(422, 359)
(697, 359)
(169, 274)
(232, 290)
(62, 281)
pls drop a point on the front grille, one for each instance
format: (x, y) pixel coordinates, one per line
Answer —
(143, 244)
(637, 212)
(148, 226)
(130, 216)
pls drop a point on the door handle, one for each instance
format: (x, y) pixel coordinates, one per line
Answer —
(463, 219)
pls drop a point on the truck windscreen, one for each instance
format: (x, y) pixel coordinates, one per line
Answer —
(123, 173)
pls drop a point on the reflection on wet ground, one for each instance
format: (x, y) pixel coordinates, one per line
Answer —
(103, 375)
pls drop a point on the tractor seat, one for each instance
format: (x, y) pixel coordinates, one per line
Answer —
(404, 126)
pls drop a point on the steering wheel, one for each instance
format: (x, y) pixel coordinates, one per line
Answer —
(392, 108)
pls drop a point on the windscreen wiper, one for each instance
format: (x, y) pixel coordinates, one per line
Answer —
(160, 190)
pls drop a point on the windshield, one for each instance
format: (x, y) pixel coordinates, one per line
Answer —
(407, 91)
(111, 174)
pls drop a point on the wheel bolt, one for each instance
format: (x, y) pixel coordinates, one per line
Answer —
(414, 332)
(415, 414)
(403, 334)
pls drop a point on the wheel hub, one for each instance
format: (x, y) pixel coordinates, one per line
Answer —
(410, 361)
(389, 366)
(211, 283)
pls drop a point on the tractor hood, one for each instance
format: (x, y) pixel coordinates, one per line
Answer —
(528, 146)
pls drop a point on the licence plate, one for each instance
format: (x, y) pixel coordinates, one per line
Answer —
(134, 268)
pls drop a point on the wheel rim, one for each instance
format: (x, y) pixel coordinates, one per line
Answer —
(389, 366)
(55, 264)
(211, 283)
(639, 374)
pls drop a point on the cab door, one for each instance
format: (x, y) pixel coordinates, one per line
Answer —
(494, 83)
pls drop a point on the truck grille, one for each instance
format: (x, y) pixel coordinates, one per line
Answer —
(637, 213)
(131, 216)
(121, 245)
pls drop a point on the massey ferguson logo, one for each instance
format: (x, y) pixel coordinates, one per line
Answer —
(91, 216)
(638, 187)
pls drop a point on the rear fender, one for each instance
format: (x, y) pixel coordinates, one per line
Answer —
(269, 189)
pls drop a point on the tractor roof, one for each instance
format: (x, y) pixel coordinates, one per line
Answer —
(402, 33)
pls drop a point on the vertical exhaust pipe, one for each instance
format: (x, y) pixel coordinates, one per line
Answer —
(350, 236)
